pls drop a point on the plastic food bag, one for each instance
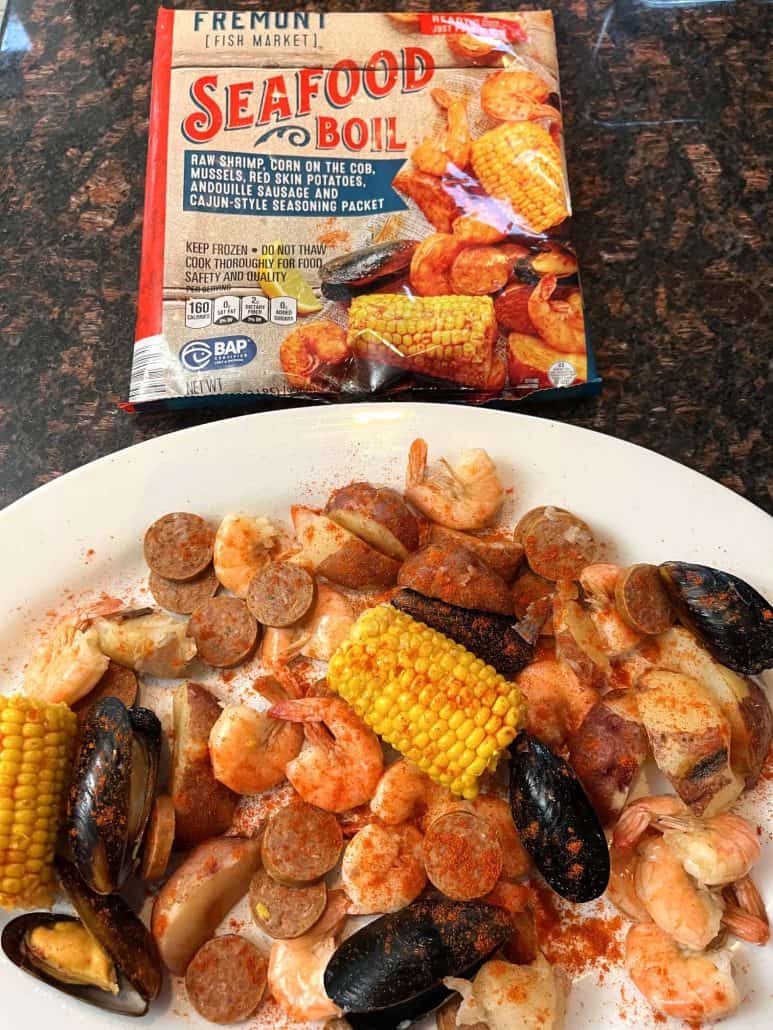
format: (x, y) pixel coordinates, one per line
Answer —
(349, 205)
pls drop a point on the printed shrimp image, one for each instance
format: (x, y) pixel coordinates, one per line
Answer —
(517, 95)
(559, 322)
(431, 265)
(311, 354)
(450, 151)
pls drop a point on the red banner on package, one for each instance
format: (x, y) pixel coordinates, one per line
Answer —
(475, 25)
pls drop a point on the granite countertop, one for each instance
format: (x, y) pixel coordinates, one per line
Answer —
(669, 168)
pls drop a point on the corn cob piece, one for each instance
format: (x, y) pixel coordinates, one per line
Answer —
(519, 162)
(444, 709)
(446, 337)
(37, 741)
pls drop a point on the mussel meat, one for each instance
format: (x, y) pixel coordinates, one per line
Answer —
(105, 956)
(112, 792)
(391, 971)
(557, 823)
(732, 620)
(369, 264)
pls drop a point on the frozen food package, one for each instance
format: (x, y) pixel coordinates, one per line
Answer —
(343, 206)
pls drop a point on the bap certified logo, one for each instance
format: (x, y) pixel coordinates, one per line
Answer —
(222, 352)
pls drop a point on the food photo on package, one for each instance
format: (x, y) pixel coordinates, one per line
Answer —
(342, 206)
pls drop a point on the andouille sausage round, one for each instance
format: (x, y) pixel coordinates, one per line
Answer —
(179, 545)
(301, 843)
(183, 596)
(225, 631)
(285, 912)
(280, 594)
(226, 979)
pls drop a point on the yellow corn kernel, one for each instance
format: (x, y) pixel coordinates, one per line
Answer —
(455, 741)
(450, 337)
(521, 163)
(37, 741)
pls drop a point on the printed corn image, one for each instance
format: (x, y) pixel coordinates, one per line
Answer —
(519, 162)
(446, 337)
(444, 709)
(37, 742)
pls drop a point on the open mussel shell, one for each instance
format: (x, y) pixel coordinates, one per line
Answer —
(121, 933)
(391, 971)
(112, 791)
(361, 267)
(15, 946)
(556, 821)
(731, 619)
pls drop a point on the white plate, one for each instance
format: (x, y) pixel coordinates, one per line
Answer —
(81, 534)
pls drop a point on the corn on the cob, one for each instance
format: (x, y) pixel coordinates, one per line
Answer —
(444, 709)
(446, 337)
(519, 162)
(37, 741)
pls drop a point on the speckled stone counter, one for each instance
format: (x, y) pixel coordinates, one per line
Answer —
(669, 168)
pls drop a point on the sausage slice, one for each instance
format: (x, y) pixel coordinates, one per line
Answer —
(558, 544)
(641, 599)
(280, 594)
(224, 630)
(159, 838)
(462, 855)
(179, 545)
(226, 979)
(285, 912)
(300, 844)
(183, 596)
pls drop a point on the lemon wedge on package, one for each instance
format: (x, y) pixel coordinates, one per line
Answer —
(286, 282)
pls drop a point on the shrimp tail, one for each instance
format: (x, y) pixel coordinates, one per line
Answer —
(296, 710)
(745, 925)
(417, 462)
(631, 825)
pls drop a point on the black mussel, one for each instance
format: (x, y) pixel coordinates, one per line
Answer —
(557, 823)
(61, 951)
(112, 792)
(489, 636)
(121, 933)
(391, 971)
(369, 264)
(732, 620)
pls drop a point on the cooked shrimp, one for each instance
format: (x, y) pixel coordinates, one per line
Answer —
(310, 354)
(403, 793)
(598, 581)
(517, 96)
(560, 323)
(641, 813)
(716, 851)
(504, 995)
(621, 890)
(452, 147)
(430, 196)
(690, 914)
(296, 967)
(382, 869)
(250, 750)
(318, 635)
(430, 273)
(557, 702)
(341, 762)
(465, 496)
(745, 914)
(242, 548)
(675, 983)
(67, 665)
